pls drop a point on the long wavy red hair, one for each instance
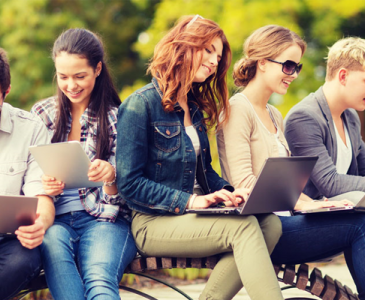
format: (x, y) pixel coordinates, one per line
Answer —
(176, 59)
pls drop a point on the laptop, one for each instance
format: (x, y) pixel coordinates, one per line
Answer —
(16, 211)
(359, 207)
(277, 188)
(66, 162)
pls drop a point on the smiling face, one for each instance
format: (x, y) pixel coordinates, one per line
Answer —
(75, 77)
(210, 57)
(276, 80)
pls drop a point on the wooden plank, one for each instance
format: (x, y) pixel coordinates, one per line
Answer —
(350, 294)
(166, 262)
(289, 274)
(302, 277)
(181, 263)
(211, 262)
(316, 282)
(341, 292)
(196, 263)
(329, 291)
(138, 265)
(151, 263)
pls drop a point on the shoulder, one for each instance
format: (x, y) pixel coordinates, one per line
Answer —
(307, 109)
(20, 115)
(239, 104)
(144, 99)
(46, 110)
(24, 120)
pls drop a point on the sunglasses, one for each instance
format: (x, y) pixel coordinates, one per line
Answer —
(289, 66)
(196, 17)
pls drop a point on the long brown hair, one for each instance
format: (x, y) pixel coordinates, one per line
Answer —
(176, 60)
(104, 96)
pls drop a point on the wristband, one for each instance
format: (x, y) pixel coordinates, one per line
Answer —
(110, 183)
(191, 201)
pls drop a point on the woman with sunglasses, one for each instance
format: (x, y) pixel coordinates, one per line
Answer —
(254, 132)
(163, 133)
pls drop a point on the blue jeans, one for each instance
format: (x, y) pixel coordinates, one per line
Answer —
(84, 258)
(18, 266)
(317, 236)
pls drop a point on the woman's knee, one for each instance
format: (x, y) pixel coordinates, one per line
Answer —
(271, 229)
(55, 241)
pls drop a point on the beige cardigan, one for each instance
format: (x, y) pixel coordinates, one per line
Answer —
(244, 143)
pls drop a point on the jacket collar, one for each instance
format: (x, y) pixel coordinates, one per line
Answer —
(6, 122)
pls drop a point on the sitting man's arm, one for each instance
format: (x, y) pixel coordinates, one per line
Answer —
(32, 236)
(305, 136)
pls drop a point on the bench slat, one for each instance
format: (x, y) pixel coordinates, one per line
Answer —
(302, 277)
(316, 282)
(329, 291)
(289, 274)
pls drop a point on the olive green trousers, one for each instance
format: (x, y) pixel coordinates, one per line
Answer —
(245, 240)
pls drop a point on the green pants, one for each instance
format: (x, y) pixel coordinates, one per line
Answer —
(246, 245)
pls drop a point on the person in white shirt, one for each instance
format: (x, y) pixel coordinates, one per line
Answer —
(326, 124)
(20, 258)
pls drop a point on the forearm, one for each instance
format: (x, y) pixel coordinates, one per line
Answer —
(46, 210)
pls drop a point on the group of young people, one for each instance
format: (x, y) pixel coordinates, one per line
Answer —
(154, 158)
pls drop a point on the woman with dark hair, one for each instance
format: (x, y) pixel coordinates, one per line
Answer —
(162, 131)
(254, 132)
(85, 252)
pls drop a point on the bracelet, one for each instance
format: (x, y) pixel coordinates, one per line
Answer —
(110, 183)
(191, 201)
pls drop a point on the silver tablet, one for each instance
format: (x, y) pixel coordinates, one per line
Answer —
(16, 211)
(66, 162)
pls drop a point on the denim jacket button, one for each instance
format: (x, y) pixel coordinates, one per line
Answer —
(200, 128)
(168, 132)
(177, 210)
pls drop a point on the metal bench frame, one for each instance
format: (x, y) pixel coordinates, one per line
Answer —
(294, 277)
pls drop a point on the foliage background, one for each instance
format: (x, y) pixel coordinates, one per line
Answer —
(131, 28)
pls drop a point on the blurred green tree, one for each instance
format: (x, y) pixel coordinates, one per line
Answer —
(29, 28)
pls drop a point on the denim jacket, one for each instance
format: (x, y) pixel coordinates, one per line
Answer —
(156, 161)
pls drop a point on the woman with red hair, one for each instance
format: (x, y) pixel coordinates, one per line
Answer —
(164, 166)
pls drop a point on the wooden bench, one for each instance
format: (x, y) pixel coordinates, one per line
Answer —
(293, 276)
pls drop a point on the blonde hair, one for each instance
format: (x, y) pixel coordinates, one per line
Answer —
(348, 53)
(266, 42)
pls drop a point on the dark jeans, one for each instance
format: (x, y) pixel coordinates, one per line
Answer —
(317, 236)
(18, 266)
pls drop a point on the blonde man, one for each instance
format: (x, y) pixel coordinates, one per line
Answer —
(326, 124)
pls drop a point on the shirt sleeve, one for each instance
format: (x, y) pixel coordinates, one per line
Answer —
(32, 185)
(306, 138)
(237, 138)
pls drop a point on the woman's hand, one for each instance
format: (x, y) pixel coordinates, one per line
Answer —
(222, 195)
(306, 205)
(51, 186)
(101, 170)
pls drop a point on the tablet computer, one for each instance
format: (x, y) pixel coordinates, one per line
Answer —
(67, 162)
(16, 211)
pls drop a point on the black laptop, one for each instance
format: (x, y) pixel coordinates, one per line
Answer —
(277, 188)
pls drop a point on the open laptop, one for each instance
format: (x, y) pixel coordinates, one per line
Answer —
(277, 188)
(16, 211)
(359, 207)
(66, 162)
